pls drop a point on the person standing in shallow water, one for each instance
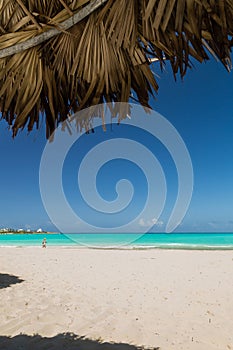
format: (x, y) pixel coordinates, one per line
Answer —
(44, 243)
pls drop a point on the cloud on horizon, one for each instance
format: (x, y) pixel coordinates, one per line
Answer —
(148, 223)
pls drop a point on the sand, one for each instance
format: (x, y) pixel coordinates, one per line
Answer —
(171, 299)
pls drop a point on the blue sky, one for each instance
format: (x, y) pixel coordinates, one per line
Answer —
(201, 110)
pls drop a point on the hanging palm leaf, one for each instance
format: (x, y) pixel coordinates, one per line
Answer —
(61, 56)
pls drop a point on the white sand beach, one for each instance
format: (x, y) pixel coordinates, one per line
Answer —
(166, 299)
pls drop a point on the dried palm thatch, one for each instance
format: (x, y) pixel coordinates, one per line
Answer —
(60, 56)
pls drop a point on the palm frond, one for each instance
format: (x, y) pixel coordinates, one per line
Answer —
(60, 56)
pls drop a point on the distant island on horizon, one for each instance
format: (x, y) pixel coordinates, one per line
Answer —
(24, 231)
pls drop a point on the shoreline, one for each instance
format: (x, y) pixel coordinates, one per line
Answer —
(129, 248)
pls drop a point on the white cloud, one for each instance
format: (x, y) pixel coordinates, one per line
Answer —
(149, 223)
(142, 222)
(159, 223)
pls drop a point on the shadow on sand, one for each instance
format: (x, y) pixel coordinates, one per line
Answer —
(66, 341)
(7, 280)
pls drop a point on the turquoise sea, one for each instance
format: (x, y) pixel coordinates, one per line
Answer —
(149, 240)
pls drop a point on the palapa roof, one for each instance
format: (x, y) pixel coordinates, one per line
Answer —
(60, 56)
